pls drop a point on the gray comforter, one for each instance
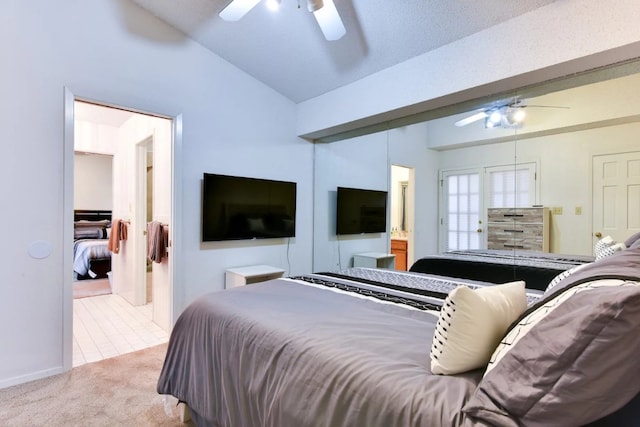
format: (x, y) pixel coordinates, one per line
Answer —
(284, 353)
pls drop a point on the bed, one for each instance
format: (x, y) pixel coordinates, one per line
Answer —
(537, 269)
(91, 256)
(361, 347)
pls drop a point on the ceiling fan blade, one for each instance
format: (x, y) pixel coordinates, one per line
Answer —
(474, 118)
(546, 106)
(329, 21)
(235, 10)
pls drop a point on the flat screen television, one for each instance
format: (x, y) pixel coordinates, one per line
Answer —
(361, 211)
(238, 208)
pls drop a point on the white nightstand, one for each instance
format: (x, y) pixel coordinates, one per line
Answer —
(374, 260)
(241, 276)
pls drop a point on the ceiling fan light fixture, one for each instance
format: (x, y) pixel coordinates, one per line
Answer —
(495, 117)
(235, 10)
(519, 115)
(512, 117)
(273, 4)
(329, 20)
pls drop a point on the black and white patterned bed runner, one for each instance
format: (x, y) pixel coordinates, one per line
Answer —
(415, 303)
(437, 287)
(526, 258)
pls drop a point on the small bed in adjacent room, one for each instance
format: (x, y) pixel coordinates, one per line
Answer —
(368, 347)
(537, 269)
(91, 256)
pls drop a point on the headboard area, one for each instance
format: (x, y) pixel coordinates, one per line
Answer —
(89, 224)
(91, 215)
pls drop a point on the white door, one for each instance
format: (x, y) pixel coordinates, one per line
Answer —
(616, 195)
(143, 214)
(137, 135)
(465, 197)
(461, 220)
(162, 212)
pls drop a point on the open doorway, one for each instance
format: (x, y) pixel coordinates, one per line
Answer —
(402, 215)
(128, 314)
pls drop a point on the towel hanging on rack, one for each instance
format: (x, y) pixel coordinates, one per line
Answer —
(157, 241)
(119, 231)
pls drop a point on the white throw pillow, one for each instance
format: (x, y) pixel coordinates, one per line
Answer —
(610, 250)
(471, 325)
(601, 245)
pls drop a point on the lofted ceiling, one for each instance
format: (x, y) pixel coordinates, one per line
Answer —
(287, 51)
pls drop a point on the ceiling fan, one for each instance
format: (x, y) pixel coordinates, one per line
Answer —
(324, 11)
(504, 114)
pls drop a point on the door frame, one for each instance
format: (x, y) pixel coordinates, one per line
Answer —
(140, 220)
(410, 208)
(175, 260)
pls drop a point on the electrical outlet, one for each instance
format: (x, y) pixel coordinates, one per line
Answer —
(557, 210)
(578, 210)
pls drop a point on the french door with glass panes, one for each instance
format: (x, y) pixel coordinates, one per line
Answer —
(466, 194)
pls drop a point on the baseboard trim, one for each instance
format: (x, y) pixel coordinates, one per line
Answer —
(5, 383)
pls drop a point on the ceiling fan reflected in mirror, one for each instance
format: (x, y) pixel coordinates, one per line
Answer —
(506, 115)
(324, 11)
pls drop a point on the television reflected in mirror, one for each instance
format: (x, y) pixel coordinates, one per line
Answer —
(242, 208)
(360, 211)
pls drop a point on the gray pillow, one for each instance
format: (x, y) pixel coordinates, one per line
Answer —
(572, 360)
(624, 264)
(90, 233)
(633, 239)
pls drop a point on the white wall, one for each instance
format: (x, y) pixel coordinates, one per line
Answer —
(93, 182)
(565, 174)
(94, 138)
(408, 147)
(365, 162)
(111, 51)
(566, 178)
(360, 162)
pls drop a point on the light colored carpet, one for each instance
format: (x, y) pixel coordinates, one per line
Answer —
(120, 391)
(91, 288)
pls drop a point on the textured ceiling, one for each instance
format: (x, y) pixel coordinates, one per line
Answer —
(287, 51)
